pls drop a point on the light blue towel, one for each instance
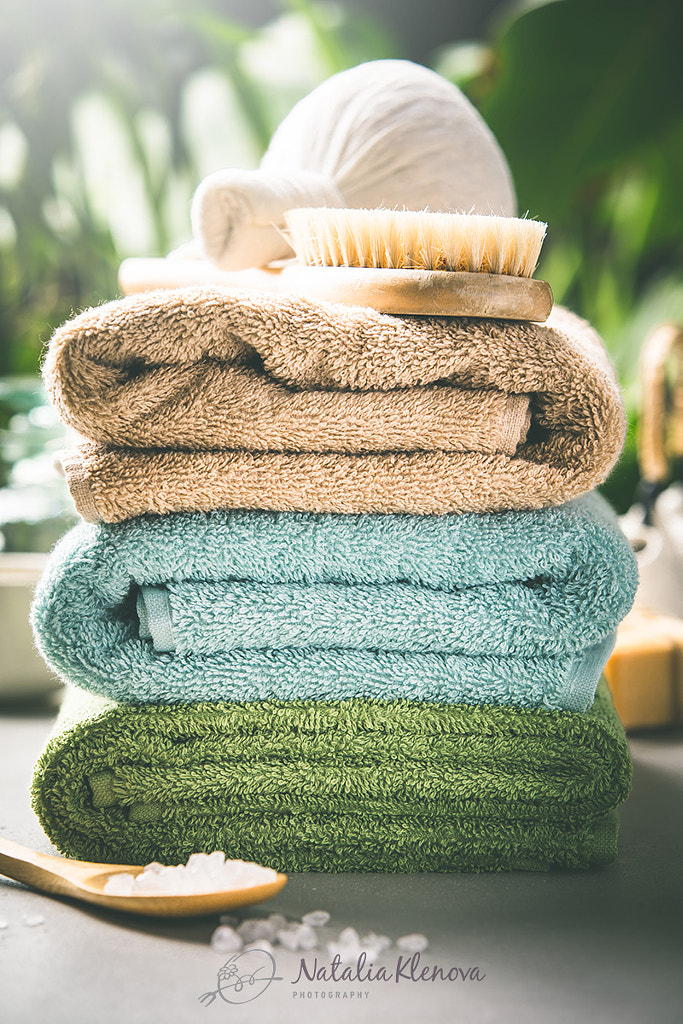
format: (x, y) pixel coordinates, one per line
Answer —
(513, 608)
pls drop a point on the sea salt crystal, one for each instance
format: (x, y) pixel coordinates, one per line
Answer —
(33, 920)
(316, 918)
(307, 937)
(347, 954)
(197, 863)
(288, 938)
(375, 944)
(297, 936)
(167, 879)
(214, 862)
(261, 944)
(203, 872)
(278, 921)
(412, 943)
(349, 937)
(225, 940)
(347, 947)
(155, 867)
(256, 928)
(119, 885)
(145, 883)
(3, 923)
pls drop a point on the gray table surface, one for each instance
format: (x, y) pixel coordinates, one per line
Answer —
(597, 947)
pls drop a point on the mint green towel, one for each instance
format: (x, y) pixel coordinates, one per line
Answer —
(501, 608)
(351, 785)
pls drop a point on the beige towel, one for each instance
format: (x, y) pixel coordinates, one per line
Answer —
(206, 398)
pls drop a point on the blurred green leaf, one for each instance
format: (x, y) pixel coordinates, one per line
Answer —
(61, 64)
(466, 64)
(583, 86)
(586, 100)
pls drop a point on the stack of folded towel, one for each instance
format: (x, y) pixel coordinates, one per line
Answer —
(344, 598)
(203, 399)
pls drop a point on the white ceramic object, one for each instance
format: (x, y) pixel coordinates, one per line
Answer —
(23, 672)
(658, 547)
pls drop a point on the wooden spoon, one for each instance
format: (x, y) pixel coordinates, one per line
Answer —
(82, 880)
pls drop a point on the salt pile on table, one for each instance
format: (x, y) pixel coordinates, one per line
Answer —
(264, 933)
(204, 872)
(267, 932)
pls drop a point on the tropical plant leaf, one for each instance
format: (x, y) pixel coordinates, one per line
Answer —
(583, 86)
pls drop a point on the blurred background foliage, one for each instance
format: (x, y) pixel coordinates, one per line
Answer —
(586, 99)
(111, 112)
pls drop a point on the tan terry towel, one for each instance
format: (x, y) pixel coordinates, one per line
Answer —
(207, 398)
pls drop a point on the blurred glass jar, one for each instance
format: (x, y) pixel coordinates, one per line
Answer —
(35, 510)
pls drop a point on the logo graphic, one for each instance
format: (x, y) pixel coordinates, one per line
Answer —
(243, 977)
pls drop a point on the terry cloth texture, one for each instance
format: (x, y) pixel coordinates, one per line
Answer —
(335, 786)
(204, 398)
(512, 607)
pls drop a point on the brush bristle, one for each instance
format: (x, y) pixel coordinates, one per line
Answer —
(412, 240)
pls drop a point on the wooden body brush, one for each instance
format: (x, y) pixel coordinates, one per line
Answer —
(437, 264)
(395, 261)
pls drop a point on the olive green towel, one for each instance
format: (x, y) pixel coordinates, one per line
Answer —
(354, 785)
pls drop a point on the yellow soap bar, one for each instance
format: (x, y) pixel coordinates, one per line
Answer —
(645, 671)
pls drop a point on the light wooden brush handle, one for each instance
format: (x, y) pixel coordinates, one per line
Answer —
(405, 292)
(423, 292)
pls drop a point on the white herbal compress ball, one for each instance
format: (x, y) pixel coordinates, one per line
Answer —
(388, 133)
